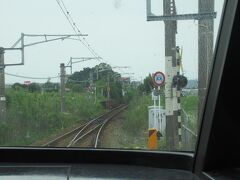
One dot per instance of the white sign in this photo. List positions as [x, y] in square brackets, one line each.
[2, 98]
[157, 118]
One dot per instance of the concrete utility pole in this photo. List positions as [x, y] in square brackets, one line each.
[171, 71]
[205, 51]
[108, 86]
[62, 87]
[91, 78]
[2, 87]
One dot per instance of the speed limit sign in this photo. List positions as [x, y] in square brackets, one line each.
[158, 78]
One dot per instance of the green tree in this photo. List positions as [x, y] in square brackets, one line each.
[147, 85]
[18, 86]
[34, 87]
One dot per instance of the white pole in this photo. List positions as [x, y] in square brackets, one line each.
[95, 95]
[155, 114]
[159, 109]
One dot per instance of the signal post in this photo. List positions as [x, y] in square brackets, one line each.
[2, 87]
[155, 123]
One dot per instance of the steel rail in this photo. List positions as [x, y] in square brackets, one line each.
[80, 129]
[56, 140]
[97, 125]
[84, 135]
[59, 138]
[104, 123]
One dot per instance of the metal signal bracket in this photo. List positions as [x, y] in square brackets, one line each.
[47, 38]
[174, 17]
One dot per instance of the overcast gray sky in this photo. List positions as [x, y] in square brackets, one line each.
[117, 30]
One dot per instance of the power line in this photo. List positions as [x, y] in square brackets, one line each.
[74, 24]
[85, 81]
[68, 13]
[75, 28]
[72, 80]
[26, 77]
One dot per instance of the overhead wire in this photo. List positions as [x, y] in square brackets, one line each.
[27, 77]
[72, 80]
[74, 24]
[69, 18]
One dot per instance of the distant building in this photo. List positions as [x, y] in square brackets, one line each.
[125, 80]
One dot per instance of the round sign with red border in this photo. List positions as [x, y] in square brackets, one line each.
[158, 78]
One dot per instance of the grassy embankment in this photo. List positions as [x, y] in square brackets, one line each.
[35, 116]
[135, 125]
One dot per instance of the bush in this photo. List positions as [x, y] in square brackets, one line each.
[136, 117]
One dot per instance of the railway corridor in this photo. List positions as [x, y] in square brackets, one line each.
[88, 134]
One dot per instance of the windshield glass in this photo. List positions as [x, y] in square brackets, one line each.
[105, 74]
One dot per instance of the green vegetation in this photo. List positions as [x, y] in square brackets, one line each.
[137, 115]
[33, 116]
[147, 85]
[135, 125]
[190, 106]
[33, 110]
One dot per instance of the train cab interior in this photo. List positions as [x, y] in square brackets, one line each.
[217, 154]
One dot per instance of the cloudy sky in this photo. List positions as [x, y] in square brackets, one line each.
[117, 30]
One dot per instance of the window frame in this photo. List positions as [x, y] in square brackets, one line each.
[193, 162]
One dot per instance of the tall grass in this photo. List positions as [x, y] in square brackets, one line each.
[190, 105]
[32, 116]
[135, 124]
[136, 117]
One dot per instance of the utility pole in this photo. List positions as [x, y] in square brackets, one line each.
[97, 72]
[62, 87]
[2, 87]
[171, 71]
[91, 80]
[205, 51]
[108, 87]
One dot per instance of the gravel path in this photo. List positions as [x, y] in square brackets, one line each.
[114, 136]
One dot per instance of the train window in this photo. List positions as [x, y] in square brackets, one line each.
[105, 74]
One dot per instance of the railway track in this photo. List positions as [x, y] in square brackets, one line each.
[88, 134]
